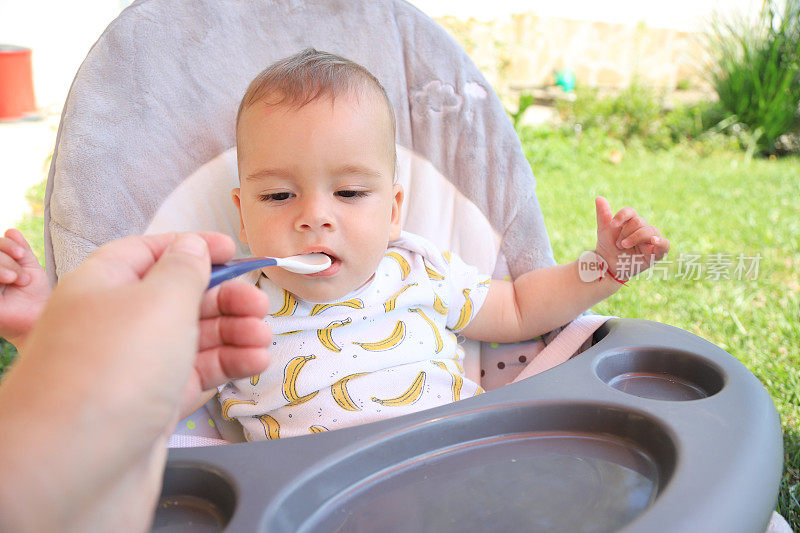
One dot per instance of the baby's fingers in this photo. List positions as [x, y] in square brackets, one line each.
[636, 232]
[11, 271]
[660, 247]
[622, 216]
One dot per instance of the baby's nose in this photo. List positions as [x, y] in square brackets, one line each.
[315, 214]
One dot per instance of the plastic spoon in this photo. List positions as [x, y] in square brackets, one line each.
[300, 264]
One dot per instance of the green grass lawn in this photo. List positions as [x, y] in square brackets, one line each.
[707, 201]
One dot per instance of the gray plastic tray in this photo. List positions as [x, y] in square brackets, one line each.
[651, 429]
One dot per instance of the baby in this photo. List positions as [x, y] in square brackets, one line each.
[374, 335]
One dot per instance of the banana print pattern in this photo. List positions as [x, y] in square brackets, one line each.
[432, 274]
[436, 334]
[290, 374]
[396, 337]
[230, 402]
[340, 394]
[446, 256]
[405, 268]
[310, 388]
[325, 335]
[391, 303]
[458, 381]
[271, 427]
[289, 305]
[438, 305]
[466, 312]
[355, 303]
[410, 396]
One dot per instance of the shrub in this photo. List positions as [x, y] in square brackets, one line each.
[756, 72]
[632, 115]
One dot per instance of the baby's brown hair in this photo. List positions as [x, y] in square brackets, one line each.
[307, 76]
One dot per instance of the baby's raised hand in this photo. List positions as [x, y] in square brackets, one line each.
[24, 288]
[626, 241]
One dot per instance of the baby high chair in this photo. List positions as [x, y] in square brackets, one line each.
[649, 429]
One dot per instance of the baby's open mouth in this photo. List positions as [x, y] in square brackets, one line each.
[335, 263]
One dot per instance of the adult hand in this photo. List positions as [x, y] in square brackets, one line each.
[124, 343]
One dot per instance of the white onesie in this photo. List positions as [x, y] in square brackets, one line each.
[385, 350]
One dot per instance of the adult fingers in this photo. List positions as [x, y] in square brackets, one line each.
[234, 331]
[234, 298]
[221, 364]
[128, 259]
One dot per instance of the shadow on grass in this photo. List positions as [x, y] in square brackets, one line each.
[789, 495]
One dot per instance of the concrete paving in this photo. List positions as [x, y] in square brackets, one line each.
[25, 149]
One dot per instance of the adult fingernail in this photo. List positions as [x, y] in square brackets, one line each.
[189, 243]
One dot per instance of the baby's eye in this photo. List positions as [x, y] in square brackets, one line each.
[351, 193]
[275, 197]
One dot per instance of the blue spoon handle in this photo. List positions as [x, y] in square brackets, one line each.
[237, 267]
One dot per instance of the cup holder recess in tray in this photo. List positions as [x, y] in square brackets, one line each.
[660, 374]
[194, 498]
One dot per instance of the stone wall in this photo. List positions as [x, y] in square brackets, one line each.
[522, 51]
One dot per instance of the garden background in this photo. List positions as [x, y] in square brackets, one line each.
[691, 119]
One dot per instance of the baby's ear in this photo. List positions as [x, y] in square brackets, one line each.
[395, 225]
[237, 201]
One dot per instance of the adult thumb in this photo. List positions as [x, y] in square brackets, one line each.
[183, 269]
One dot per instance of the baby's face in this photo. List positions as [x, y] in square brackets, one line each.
[319, 179]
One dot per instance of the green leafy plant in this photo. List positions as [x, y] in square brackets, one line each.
[756, 72]
[525, 101]
[633, 114]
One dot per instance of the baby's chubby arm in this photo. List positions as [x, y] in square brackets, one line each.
[544, 299]
[24, 288]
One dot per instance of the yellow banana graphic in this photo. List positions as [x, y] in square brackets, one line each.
[458, 381]
[446, 256]
[317, 429]
[290, 332]
[355, 303]
[340, 394]
[289, 305]
[271, 427]
[254, 379]
[230, 402]
[466, 312]
[405, 268]
[439, 343]
[479, 390]
[325, 337]
[409, 396]
[390, 304]
[432, 274]
[290, 374]
[438, 305]
[459, 366]
[486, 282]
[389, 342]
